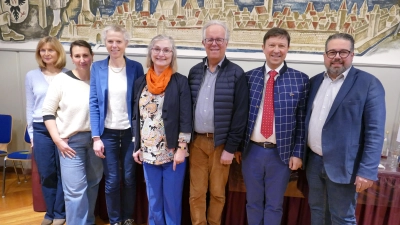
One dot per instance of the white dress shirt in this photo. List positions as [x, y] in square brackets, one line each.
[320, 109]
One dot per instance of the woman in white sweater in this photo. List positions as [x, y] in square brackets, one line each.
[66, 115]
[50, 56]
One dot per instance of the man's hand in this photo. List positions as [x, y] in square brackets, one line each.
[295, 163]
[226, 158]
[98, 147]
[238, 156]
[362, 183]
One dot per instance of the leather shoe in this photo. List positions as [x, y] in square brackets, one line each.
[58, 221]
[12, 35]
[46, 222]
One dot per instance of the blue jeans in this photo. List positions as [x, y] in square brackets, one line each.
[330, 203]
[81, 176]
[48, 164]
[118, 161]
[164, 191]
[266, 178]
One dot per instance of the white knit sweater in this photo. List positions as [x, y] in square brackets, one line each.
[67, 101]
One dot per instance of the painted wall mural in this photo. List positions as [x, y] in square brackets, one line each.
[309, 22]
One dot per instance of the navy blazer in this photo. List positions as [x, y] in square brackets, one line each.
[352, 136]
[290, 94]
[99, 92]
[176, 111]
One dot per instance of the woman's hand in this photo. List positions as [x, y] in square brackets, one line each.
[98, 147]
[136, 157]
[65, 150]
[180, 154]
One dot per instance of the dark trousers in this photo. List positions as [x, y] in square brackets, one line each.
[48, 164]
[119, 166]
[266, 178]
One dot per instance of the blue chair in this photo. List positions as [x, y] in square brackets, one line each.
[5, 133]
[17, 158]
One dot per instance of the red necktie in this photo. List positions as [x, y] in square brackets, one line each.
[268, 110]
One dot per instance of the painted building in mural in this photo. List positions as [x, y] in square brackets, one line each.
[309, 28]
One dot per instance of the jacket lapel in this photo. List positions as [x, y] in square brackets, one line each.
[130, 75]
[104, 77]
[346, 86]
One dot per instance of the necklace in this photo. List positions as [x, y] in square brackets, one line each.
[117, 71]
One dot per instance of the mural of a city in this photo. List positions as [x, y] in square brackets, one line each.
[309, 22]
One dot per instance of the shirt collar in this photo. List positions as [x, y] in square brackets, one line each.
[219, 64]
[267, 69]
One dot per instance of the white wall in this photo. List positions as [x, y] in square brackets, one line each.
[17, 59]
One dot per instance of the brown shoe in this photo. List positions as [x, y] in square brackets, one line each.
[12, 35]
[46, 222]
[55, 29]
[58, 221]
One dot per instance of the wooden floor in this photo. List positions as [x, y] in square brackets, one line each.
[16, 208]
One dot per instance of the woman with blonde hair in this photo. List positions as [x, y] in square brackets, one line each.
[50, 56]
[111, 85]
[163, 115]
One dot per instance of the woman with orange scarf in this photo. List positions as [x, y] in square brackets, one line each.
[163, 117]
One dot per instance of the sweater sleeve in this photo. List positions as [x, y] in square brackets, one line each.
[29, 103]
[52, 100]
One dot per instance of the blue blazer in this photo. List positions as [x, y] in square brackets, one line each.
[290, 94]
[99, 92]
[352, 136]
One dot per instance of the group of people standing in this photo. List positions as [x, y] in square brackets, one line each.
[272, 119]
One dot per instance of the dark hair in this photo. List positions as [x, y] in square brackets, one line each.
[81, 43]
[343, 36]
[277, 32]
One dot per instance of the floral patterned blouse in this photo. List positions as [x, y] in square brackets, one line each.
[154, 148]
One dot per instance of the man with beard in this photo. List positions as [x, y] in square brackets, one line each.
[345, 121]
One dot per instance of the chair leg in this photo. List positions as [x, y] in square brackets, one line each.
[16, 172]
[23, 171]
[4, 178]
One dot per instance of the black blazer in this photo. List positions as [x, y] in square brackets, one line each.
[176, 112]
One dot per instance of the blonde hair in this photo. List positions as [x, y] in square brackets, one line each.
[56, 46]
[161, 37]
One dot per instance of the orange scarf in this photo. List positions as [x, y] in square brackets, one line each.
[158, 83]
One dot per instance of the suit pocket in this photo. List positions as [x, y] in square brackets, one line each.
[351, 110]
[288, 101]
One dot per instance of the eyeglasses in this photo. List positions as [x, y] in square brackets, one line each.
[165, 51]
[342, 53]
[210, 41]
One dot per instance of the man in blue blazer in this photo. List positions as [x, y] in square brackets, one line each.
[274, 141]
[345, 123]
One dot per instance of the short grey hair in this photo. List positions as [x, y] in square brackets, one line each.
[216, 22]
[161, 37]
[115, 28]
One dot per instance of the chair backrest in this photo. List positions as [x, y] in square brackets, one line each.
[5, 128]
[27, 138]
